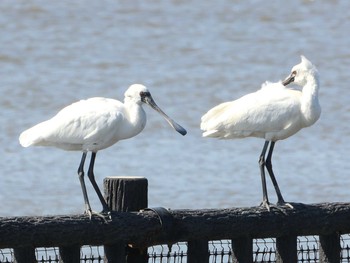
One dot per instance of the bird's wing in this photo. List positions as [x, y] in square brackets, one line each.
[255, 114]
[75, 124]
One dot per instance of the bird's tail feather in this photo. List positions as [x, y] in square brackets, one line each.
[31, 136]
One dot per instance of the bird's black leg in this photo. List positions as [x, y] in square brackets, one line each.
[82, 183]
[280, 200]
[94, 184]
[265, 201]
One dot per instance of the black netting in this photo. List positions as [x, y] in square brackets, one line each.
[6, 255]
[345, 251]
[220, 251]
[264, 250]
[168, 254]
[47, 255]
[308, 249]
[91, 254]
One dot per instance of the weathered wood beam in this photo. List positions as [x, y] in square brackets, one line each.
[242, 249]
[124, 194]
[144, 228]
[329, 251]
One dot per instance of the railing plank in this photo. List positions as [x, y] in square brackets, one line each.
[286, 249]
[143, 228]
[150, 227]
[242, 250]
[115, 253]
[24, 255]
[329, 249]
[137, 255]
[69, 254]
[197, 251]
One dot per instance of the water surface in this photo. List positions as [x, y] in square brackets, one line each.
[192, 55]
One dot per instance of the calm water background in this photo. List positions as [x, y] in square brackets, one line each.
[192, 55]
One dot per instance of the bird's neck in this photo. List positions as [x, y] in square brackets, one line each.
[310, 105]
[136, 116]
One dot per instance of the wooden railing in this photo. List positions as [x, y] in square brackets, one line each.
[138, 229]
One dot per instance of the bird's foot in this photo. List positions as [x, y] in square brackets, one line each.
[88, 212]
[283, 203]
[266, 204]
[105, 215]
[279, 206]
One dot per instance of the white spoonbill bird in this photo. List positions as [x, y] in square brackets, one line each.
[273, 113]
[92, 125]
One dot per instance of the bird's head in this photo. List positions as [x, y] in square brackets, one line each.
[140, 94]
[301, 72]
[136, 93]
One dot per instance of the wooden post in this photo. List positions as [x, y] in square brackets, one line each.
[125, 194]
[286, 249]
[329, 251]
[24, 255]
[69, 254]
[197, 251]
[242, 250]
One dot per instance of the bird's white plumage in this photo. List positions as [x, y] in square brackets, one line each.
[92, 124]
[274, 112]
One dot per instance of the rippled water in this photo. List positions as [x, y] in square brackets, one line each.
[192, 55]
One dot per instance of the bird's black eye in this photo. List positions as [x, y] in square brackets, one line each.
[144, 94]
[294, 72]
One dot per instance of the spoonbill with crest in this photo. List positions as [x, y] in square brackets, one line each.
[273, 113]
[92, 125]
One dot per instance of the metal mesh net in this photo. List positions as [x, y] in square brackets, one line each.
[166, 254]
[264, 250]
